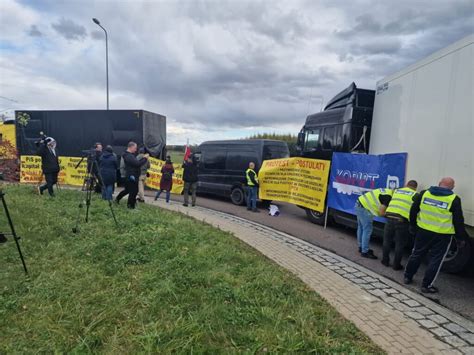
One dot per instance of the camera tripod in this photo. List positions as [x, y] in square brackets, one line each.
[90, 181]
[12, 229]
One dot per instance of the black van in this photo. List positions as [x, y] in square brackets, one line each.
[222, 164]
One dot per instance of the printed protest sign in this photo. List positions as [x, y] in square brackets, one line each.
[300, 181]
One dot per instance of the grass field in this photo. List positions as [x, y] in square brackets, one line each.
[160, 283]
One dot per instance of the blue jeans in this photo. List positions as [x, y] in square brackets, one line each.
[168, 194]
[107, 192]
[252, 197]
[364, 227]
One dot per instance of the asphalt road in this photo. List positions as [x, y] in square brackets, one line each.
[456, 291]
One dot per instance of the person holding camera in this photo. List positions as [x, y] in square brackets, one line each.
[93, 161]
[46, 149]
[132, 174]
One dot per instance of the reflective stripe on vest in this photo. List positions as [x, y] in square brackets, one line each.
[401, 202]
[370, 200]
[249, 180]
[434, 213]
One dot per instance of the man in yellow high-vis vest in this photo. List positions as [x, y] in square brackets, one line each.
[369, 205]
[252, 187]
[436, 214]
[396, 227]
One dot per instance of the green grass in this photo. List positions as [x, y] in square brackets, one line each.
[161, 283]
[176, 156]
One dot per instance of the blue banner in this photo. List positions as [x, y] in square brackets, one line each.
[354, 174]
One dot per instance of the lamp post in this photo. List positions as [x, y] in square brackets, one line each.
[106, 58]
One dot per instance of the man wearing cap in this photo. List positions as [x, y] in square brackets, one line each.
[369, 205]
[436, 215]
[396, 228]
[46, 149]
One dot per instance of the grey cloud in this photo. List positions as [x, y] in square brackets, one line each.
[98, 35]
[69, 29]
[33, 31]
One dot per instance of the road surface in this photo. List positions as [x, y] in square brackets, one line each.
[456, 291]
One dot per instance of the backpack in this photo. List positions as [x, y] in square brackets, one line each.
[123, 173]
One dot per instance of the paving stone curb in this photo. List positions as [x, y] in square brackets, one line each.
[456, 332]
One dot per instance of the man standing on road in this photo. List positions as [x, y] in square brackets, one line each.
[396, 228]
[190, 178]
[132, 174]
[368, 205]
[46, 149]
[252, 188]
[436, 215]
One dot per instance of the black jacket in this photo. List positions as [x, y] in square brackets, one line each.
[49, 161]
[108, 168]
[190, 172]
[132, 164]
[456, 210]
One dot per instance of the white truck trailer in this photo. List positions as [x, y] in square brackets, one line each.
[427, 110]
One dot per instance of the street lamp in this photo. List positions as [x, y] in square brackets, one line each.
[106, 58]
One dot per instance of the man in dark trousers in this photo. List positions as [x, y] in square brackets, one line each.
[46, 149]
[436, 215]
[396, 228]
[252, 187]
[132, 174]
[190, 178]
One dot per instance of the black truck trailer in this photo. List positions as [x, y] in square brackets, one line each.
[78, 130]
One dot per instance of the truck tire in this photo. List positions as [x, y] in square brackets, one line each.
[315, 217]
[237, 196]
[457, 259]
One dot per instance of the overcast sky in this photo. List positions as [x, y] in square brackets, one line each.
[216, 69]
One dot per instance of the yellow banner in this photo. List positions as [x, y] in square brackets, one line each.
[30, 170]
[7, 141]
[300, 181]
[153, 181]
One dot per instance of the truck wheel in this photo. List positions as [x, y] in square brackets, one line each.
[315, 216]
[237, 196]
[457, 259]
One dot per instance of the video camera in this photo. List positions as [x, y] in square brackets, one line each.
[42, 139]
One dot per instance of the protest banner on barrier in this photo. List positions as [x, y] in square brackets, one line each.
[30, 172]
[153, 180]
[300, 181]
[354, 174]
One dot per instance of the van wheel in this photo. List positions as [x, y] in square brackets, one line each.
[237, 196]
[315, 216]
[457, 258]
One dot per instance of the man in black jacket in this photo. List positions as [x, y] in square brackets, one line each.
[132, 174]
[46, 149]
[190, 178]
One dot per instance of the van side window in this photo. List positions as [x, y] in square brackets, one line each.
[214, 159]
[312, 140]
[274, 151]
[239, 160]
[328, 138]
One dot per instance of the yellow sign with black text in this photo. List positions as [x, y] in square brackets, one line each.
[300, 181]
[30, 170]
[153, 180]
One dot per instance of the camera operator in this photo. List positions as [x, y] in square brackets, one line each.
[94, 156]
[46, 149]
[132, 174]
